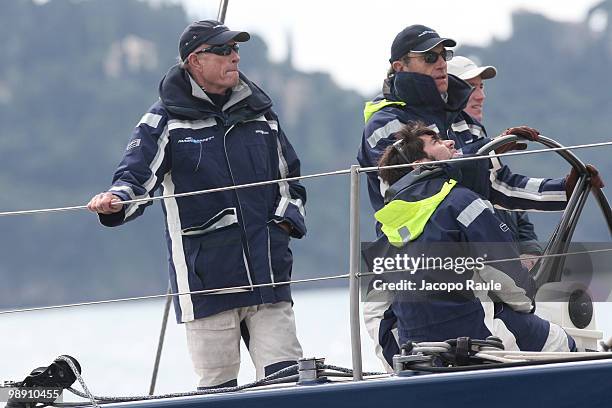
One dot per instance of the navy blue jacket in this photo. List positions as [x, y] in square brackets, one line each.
[462, 217]
[410, 96]
[522, 231]
[185, 143]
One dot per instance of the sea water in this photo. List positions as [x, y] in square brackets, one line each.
[116, 343]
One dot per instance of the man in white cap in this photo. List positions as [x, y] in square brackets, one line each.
[518, 221]
[474, 75]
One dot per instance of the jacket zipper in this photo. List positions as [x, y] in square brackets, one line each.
[270, 258]
[229, 167]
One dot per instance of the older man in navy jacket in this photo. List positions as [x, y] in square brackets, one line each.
[212, 128]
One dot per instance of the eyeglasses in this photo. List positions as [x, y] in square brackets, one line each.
[224, 50]
[431, 57]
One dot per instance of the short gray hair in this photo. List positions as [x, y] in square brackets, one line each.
[391, 72]
[182, 64]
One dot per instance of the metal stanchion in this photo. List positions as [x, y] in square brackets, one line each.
[354, 253]
[160, 342]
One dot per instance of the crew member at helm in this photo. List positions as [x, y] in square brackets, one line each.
[428, 214]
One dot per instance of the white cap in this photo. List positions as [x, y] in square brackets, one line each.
[465, 69]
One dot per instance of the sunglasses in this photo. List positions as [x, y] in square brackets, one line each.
[223, 50]
[431, 57]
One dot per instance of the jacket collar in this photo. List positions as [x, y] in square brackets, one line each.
[239, 92]
[407, 184]
[420, 90]
[182, 96]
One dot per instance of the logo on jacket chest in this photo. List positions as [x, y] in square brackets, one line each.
[190, 139]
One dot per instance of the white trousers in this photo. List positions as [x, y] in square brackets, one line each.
[214, 341]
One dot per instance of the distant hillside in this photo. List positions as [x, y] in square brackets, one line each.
[556, 77]
[75, 77]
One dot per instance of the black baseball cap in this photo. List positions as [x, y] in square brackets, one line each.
[210, 32]
[417, 38]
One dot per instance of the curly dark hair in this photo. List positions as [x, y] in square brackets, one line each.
[407, 149]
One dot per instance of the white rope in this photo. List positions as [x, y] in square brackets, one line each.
[487, 356]
[331, 173]
[505, 356]
[516, 355]
[431, 349]
[443, 344]
[81, 381]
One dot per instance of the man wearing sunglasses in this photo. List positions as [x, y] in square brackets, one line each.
[213, 128]
[418, 88]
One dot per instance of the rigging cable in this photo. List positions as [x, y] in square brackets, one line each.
[291, 282]
[330, 173]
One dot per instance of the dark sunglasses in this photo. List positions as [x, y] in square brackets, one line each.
[224, 50]
[431, 57]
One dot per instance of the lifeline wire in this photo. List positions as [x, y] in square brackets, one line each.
[470, 158]
[198, 292]
[284, 180]
[323, 278]
[178, 195]
[212, 291]
[536, 257]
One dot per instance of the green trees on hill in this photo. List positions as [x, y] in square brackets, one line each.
[75, 77]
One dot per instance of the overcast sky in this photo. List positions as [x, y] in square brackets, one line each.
[351, 39]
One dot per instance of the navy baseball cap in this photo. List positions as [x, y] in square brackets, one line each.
[417, 38]
[210, 32]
